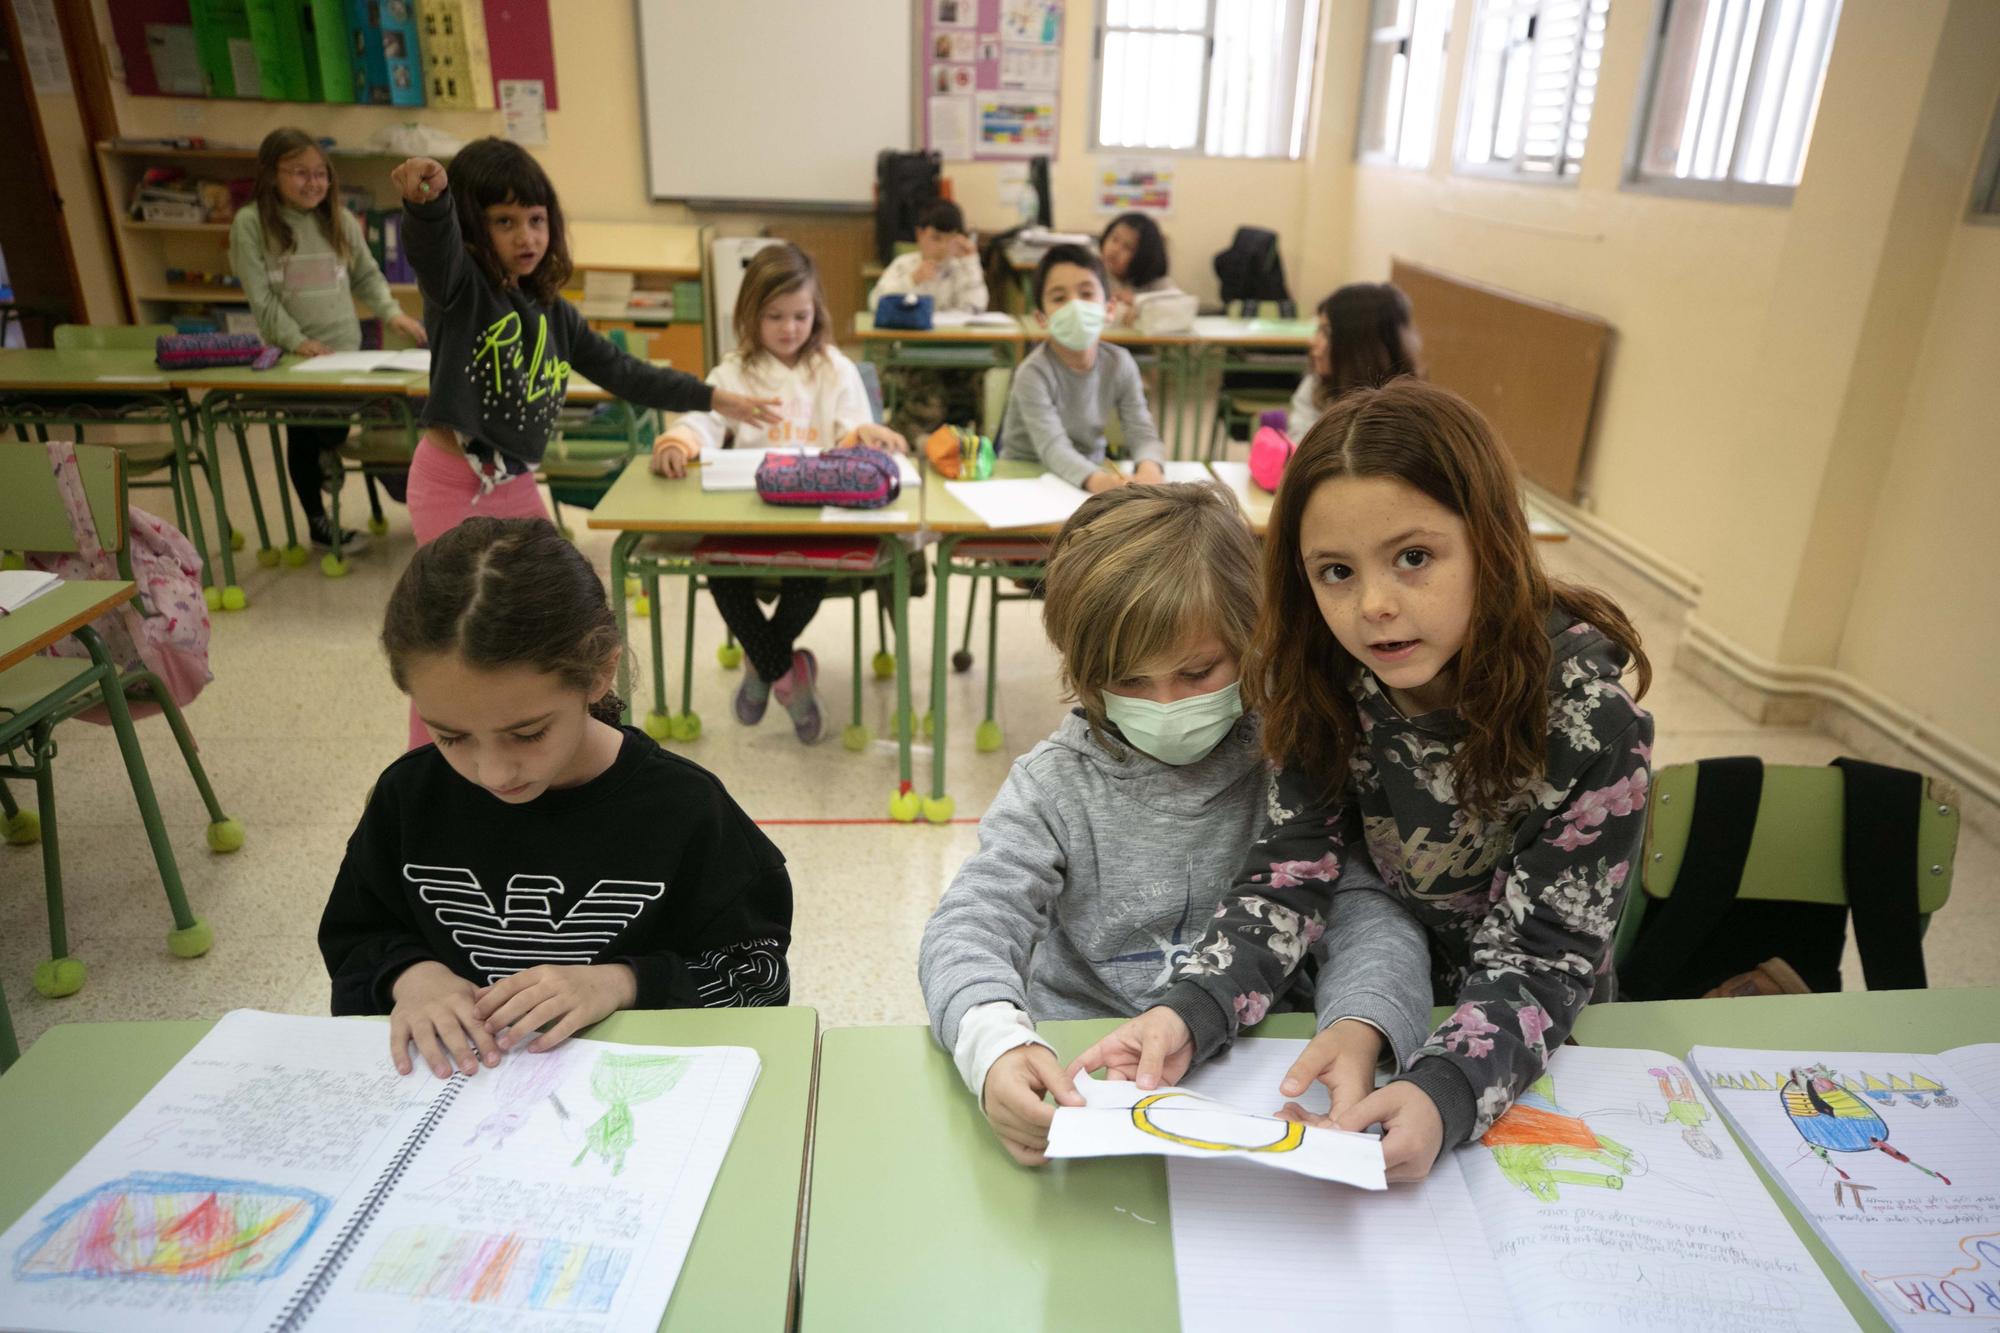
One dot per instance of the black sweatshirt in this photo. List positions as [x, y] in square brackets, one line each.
[650, 864]
[500, 361]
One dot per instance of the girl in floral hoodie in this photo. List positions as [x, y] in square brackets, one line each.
[1434, 703]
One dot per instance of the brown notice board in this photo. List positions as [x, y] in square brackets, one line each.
[1530, 366]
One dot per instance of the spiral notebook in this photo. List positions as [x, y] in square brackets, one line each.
[284, 1177]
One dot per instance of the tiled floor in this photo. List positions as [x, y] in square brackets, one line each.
[302, 716]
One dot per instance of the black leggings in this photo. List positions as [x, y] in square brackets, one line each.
[768, 643]
[303, 447]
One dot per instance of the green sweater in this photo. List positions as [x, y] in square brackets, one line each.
[307, 292]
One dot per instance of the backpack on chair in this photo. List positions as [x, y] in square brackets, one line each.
[1750, 873]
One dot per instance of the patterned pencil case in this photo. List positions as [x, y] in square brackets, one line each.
[194, 351]
[851, 478]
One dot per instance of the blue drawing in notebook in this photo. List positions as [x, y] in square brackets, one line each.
[172, 1227]
[1831, 1119]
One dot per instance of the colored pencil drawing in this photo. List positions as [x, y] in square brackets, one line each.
[1832, 1119]
[528, 1274]
[622, 1082]
[1154, 1115]
[1686, 1110]
[525, 1081]
[173, 1227]
[1536, 1133]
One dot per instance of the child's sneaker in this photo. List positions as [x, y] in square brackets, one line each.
[753, 696]
[795, 691]
[321, 531]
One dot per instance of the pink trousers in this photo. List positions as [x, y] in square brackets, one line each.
[443, 493]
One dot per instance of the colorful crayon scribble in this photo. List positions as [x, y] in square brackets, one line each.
[1536, 1133]
[501, 1272]
[622, 1082]
[172, 1227]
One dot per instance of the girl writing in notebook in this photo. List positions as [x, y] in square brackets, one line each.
[303, 263]
[1439, 706]
[539, 866]
[784, 358]
[1363, 338]
[491, 257]
[1111, 844]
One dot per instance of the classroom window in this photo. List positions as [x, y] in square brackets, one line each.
[1403, 80]
[1530, 87]
[1224, 78]
[1734, 88]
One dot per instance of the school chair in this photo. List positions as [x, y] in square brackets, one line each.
[1745, 861]
[150, 457]
[41, 693]
[591, 448]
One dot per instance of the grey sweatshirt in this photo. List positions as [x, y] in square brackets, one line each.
[1056, 417]
[307, 292]
[1098, 873]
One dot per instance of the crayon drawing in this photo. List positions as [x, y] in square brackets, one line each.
[525, 1081]
[1536, 1133]
[622, 1082]
[1831, 1119]
[529, 1274]
[1686, 1110]
[1154, 1115]
[171, 1227]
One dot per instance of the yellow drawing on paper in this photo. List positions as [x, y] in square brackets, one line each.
[1142, 1119]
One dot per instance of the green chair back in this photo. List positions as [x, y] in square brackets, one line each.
[109, 337]
[31, 508]
[1795, 847]
[993, 400]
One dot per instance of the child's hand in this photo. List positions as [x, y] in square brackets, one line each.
[560, 999]
[312, 347]
[964, 247]
[411, 329]
[1013, 1100]
[434, 1009]
[1149, 473]
[924, 271]
[1152, 1049]
[750, 411]
[419, 178]
[1343, 1057]
[873, 436]
[1101, 480]
[1412, 1129]
[670, 457]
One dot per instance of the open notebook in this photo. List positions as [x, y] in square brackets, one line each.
[1609, 1197]
[1893, 1159]
[284, 1177]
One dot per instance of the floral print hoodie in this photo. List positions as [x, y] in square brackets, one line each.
[1520, 908]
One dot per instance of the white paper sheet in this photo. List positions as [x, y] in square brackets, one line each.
[18, 587]
[836, 514]
[1178, 469]
[1893, 1158]
[1034, 502]
[1617, 1205]
[1233, 473]
[1119, 1120]
[412, 360]
[558, 1191]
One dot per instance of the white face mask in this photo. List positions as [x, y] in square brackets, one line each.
[1180, 732]
[1077, 324]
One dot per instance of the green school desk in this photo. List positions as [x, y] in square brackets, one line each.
[237, 398]
[42, 388]
[640, 505]
[918, 1220]
[76, 1082]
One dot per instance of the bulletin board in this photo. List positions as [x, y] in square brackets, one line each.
[1530, 366]
[989, 77]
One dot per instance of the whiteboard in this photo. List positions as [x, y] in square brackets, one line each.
[774, 101]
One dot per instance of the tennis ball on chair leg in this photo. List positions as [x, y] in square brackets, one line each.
[687, 727]
[904, 806]
[24, 828]
[212, 598]
[939, 809]
[295, 555]
[225, 835]
[234, 598]
[730, 655]
[193, 942]
[855, 737]
[884, 665]
[332, 566]
[236, 539]
[57, 977]
[378, 526]
[658, 725]
[988, 738]
[642, 606]
[267, 556]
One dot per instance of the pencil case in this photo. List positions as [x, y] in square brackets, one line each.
[959, 453]
[850, 478]
[194, 351]
[905, 312]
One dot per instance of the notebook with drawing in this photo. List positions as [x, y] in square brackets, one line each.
[1893, 1159]
[1608, 1197]
[284, 1177]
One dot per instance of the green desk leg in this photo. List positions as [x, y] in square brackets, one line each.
[228, 595]
[10, 1050]
[191, 937]
[620, 550]
[906, 777]
[938, 808]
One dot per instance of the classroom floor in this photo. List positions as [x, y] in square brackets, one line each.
[302, 716]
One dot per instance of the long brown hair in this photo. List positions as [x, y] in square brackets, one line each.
[270, 204]
[1430, 439]
[1370, 339]
[498, 592]
[1136, 573]
[493, 171]
[775, 271]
